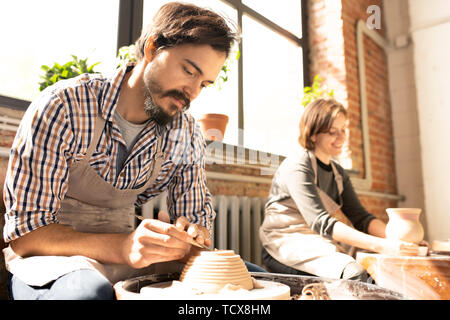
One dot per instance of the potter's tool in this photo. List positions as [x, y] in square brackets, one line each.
[193, 242]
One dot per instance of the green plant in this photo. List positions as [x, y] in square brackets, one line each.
[316, 91]
[125, 55]
[223, 74]
[66, 71]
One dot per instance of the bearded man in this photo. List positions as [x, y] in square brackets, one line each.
[92, 148]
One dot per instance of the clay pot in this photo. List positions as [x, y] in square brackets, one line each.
[211, 271]
[404, 224]
[213, 126]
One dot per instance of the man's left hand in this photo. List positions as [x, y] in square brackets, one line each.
[196, 231]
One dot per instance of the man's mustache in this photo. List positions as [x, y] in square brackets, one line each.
[179, 96]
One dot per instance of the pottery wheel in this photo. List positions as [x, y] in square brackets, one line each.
[219, 274]
[171, 291]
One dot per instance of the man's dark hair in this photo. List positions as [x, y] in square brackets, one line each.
[177, 23]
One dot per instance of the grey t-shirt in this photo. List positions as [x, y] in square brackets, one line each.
[130, 133]
[295, 179]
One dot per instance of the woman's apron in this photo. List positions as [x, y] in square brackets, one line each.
[95, 206]
[287, 237]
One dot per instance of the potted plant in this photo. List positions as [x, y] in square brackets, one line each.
[78, 66]
[316, 91]
[66, 71]
[125, 55]
[213, 125]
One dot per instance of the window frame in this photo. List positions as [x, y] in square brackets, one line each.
[302, 42]
[128, 31]
[130, 25]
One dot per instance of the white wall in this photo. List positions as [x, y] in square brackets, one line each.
[406, 133]
[430, 32]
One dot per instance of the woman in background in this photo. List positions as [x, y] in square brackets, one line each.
[313, 218]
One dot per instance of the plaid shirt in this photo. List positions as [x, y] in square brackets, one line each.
[55, 132]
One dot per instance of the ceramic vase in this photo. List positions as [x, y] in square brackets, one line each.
[404, 224]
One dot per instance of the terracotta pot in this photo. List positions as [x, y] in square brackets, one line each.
[213, 126]
[404, 224]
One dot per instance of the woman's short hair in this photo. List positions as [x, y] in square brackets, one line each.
[318, 117]
[178, 23]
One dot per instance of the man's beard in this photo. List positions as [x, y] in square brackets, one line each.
[155, 111]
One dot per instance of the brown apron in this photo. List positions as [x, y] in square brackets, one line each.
[287, 237]
[91, 205]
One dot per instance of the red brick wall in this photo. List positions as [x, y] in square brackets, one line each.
[342, 76]
[6, 138]
[239, 188]
[378, 206]
[3, 166]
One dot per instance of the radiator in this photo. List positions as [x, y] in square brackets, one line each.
[236, 226]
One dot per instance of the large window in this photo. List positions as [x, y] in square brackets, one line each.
[286, 14]
[273, 85]
[262, 96]
[263, 104]
[212, 99]
[43, 32]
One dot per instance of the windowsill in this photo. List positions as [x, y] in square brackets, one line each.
[236, 164]
[220, 157]
[220, 154]
[14, 103]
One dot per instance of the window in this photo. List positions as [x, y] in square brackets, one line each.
[262, 96]
[48, 31]
[287, 15]
[265, 108]
[273, 86]
[212, 99]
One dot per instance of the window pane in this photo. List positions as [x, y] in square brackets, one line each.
[48, 31]
[287, 15]
[273, 87]
[212, 99]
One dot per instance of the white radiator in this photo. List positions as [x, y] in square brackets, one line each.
[236, 226]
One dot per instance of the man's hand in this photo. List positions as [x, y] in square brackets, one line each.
[155, 241]
[199, 233]
[160, 241]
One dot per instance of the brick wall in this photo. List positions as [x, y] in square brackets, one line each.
[6, 139]
[3, 290]
[244, 188]
[333, 55]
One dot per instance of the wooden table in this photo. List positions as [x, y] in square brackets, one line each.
[423, 278]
